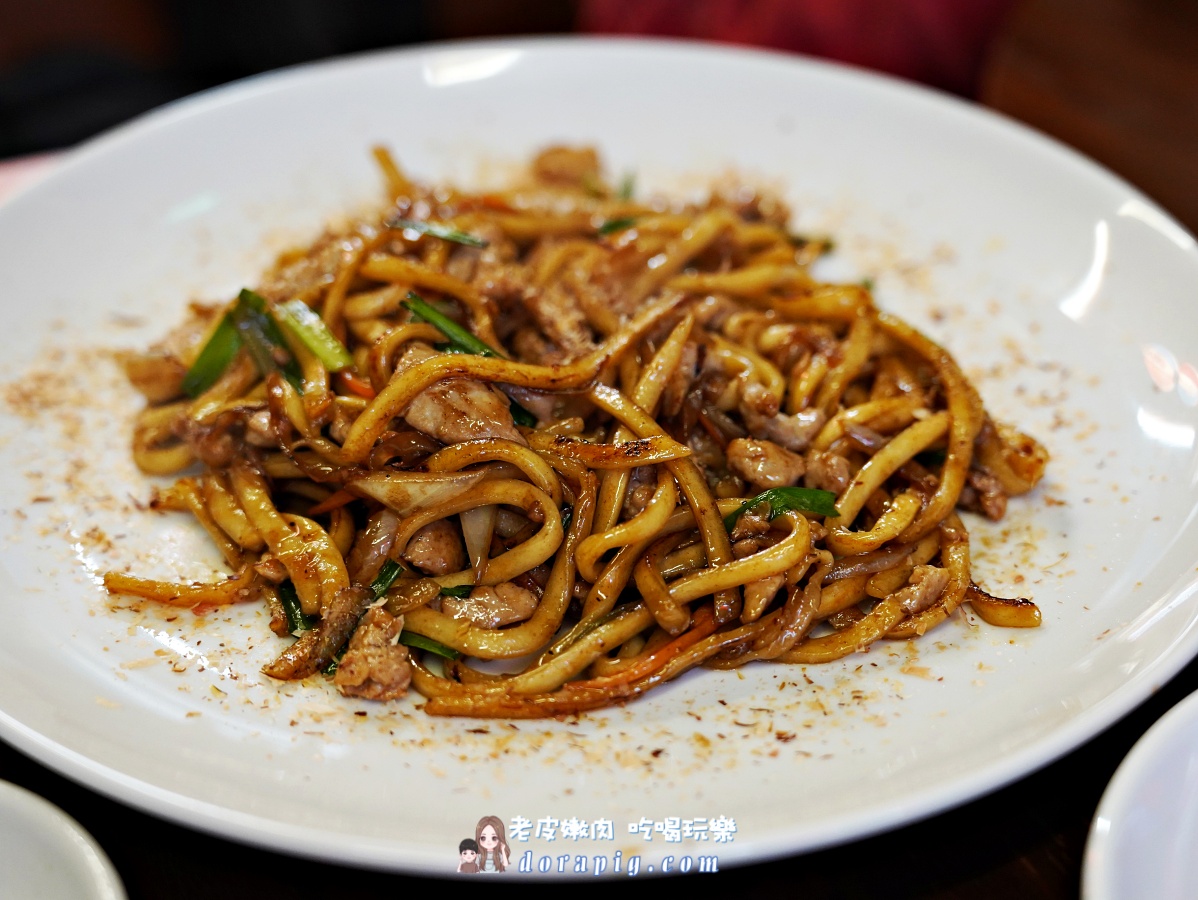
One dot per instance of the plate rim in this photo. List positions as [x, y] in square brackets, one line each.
[1098, 870]
[265, 832]
[59, 827]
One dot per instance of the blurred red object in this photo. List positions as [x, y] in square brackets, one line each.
[938, 42]
[24, 170]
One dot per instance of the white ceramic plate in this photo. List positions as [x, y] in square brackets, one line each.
[1063, 290]
[1143, 836]
[44, 853]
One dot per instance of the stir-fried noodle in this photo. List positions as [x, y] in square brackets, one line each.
[612, 439]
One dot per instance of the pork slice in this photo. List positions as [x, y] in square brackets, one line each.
[375, 666]
[492, 607]
[924, 588]
[794, 432]
[316, 648]
[642, 482]
[158, 372]
[308, 275]
[764, 464]
[566, 165]
[436, 549]
[827, 471]
[681, 380]
[760, 593]
[984, 493]
[560, 316]
[458, 409]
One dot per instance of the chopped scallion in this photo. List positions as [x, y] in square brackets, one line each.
[611, 226]
[826, 244]
[388, 572]
[261, 336]
[461, 590]
[297, 620]
[444, 232]
[522, 416]
[420, 642]
[461, 339]
[214, 358]
[314, 334]
[781, 500]
[932, 458]
[591, 183]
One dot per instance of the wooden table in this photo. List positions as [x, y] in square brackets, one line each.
[1117, 79]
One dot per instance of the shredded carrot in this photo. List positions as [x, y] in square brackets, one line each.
[331, 502]
[702, 624]
[496, 202]
[578, 696]
[356, 385]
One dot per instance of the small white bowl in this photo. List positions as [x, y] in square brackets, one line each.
[1143, 838]
[44, 853]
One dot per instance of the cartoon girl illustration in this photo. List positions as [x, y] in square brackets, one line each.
[492, 844]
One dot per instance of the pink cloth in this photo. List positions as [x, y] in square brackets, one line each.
[939, 42]
[23, 170]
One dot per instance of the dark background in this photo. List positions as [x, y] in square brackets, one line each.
[70, 68]
[1118, 79]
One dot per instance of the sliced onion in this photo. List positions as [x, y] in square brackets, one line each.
[372, 547]
[408, 491]
[408, 447]
[869, 563]
[478, 526]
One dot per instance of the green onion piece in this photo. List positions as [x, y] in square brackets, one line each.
[446, 347]
[827, 244]
[627, 187]
[214, 358]
[613, 225]
[867, 283]
[459, 337]
[388, 572]
[521, 416]
[314, 334]
[590, 183]
[444, 232]
[461, 590]
[785, 499]
[932, 458]
[420, 642]
[462, 341]
[297, 620]
[576, 634]
[262, 338]
[567, 516]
